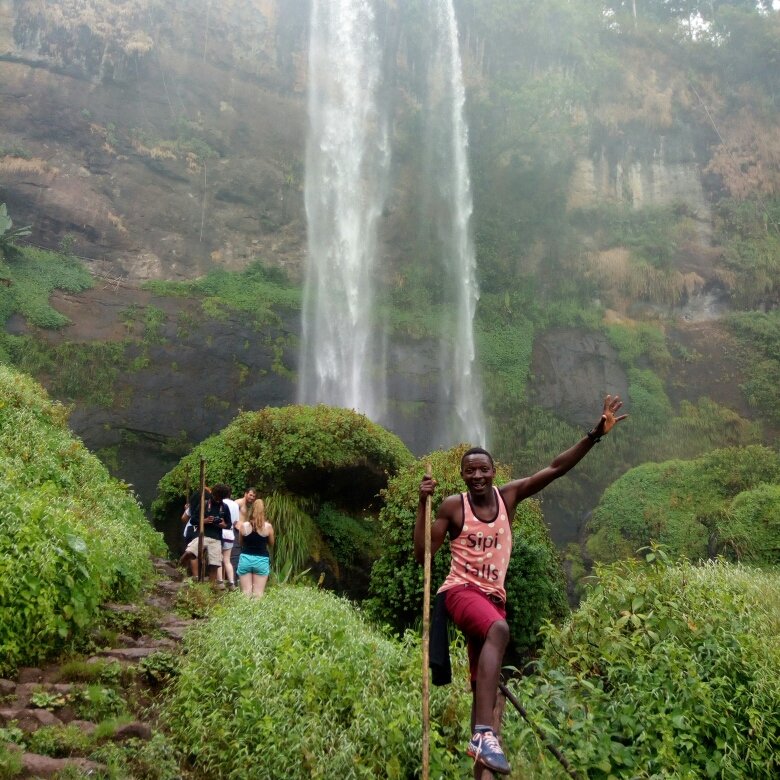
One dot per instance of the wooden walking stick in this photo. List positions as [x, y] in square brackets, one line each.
[202, 518]
[426, 639]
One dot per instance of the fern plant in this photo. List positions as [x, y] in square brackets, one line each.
[8, 234]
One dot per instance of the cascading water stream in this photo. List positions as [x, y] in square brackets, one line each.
[453, 177]
[347, 159]
[347, 163]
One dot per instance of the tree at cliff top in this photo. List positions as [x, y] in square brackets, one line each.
[666, 671]
[71, 537]
[534, 582]
[725, 502]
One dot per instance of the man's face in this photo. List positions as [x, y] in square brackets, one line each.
[478, 472]
[250, 497]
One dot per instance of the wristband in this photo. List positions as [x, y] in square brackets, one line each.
[593, 436]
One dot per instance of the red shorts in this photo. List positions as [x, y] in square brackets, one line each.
[473, 613]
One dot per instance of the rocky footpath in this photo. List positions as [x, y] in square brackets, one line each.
[79, 704]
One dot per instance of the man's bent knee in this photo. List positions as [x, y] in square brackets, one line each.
[498, 633]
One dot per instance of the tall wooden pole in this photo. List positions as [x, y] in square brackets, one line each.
[426, 640]
[201, 519]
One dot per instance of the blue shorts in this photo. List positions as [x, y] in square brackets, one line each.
[253, 564]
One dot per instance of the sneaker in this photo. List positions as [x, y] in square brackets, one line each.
[484, 748]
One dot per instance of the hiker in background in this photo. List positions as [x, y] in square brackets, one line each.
[244, 505]
[228, 541]
[216, 517]
[254, 564]
[479, 524]
[190, 532]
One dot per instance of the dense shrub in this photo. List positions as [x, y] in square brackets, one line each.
[534, 582]
[758, 334]
[666, 671]
[70, 535]
[300, 686]
[687, 506]
[306, 450]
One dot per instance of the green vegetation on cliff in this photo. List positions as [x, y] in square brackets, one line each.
[72, 537]
[254, 292]
[724, 502]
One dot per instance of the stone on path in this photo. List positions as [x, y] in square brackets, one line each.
[34, 765]
[134, 730]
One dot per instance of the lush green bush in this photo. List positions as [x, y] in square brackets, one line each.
[666, 671]
[305, 450]
[698, 508]
[534, 582]
[70, 535]
[300, 686]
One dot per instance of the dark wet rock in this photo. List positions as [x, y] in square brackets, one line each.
[161, 643]
[66, 714]
[29, 720]
[122, 608]
[34, 765]
[128, 653]
[7, 687]
[176, 631]
[168, 570]
[29, 674]
[134, 730]
[572, 371]
[24, 693]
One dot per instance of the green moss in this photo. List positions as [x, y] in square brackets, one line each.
[256, 291]
[87, 372]
[32, 275]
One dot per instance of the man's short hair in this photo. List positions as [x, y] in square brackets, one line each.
[477, 451]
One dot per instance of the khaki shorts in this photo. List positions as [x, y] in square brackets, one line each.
[212, 549]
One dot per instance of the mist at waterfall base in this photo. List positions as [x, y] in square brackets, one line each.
[349, 357]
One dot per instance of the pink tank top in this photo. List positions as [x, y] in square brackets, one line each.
[480, 554]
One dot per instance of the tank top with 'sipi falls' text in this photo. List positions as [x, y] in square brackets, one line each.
[480, 553]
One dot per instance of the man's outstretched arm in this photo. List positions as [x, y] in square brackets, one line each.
[514, 492]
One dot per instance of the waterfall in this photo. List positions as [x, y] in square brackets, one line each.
[347, 160]
[344, 348]
[451, 174]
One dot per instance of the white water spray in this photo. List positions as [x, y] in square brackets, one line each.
[454, 181]
[347, 159]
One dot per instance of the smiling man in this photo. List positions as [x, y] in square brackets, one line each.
[479, 524]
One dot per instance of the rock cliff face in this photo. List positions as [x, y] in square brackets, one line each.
[164, 138]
